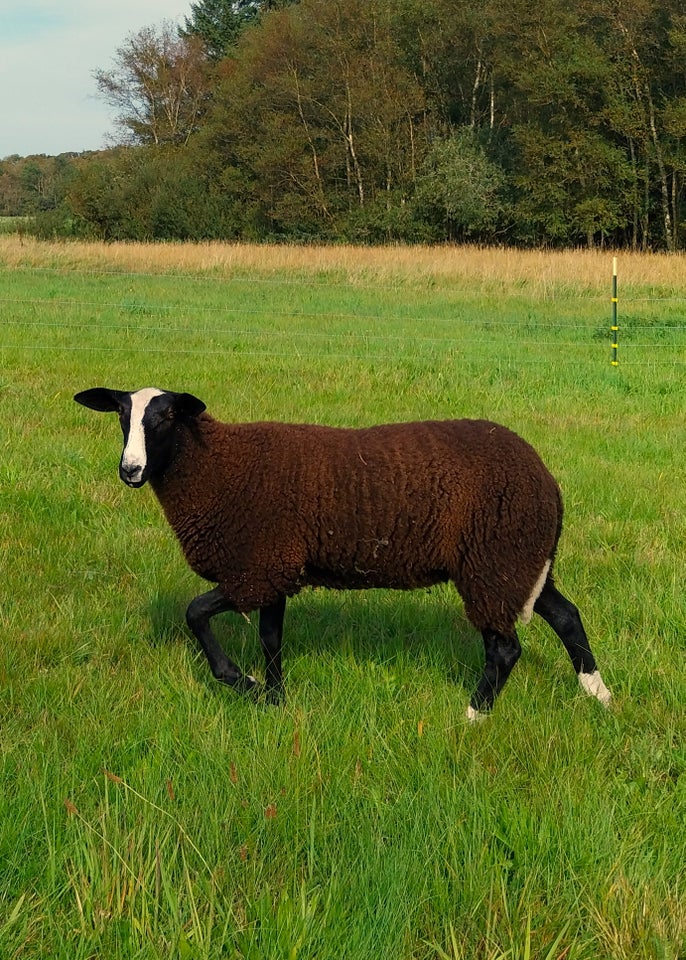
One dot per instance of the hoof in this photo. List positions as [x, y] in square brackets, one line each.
[474, 716]
[274, 696]
[592, 684]
[241, 682]
[247, 684]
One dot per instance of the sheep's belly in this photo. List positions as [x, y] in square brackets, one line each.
[361, 579]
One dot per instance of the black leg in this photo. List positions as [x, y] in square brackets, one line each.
[561, 614]
[200, 611]
[271, 632]
[502, 652]
[564, 618]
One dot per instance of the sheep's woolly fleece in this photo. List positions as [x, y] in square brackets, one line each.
[264, 509]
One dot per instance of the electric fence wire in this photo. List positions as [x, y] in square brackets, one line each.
[136, 309]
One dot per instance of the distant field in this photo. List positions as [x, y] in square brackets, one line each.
[147, 812]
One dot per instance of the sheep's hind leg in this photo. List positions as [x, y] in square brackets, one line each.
[198, 616]
[565, 620]
[502, 652]
[271, 632]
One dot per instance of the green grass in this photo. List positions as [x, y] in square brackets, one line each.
[147, 812]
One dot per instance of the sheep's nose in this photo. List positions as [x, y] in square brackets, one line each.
[131, 474]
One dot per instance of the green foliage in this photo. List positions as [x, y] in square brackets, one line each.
[36, 184]
[57, 223]
[219, 23]
[461, 187]
[557, 200]
[149, 194]
[388, 219]
[317, 113]
[159, 84]
[9, 225]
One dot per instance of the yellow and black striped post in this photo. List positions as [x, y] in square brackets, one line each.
[615, 327]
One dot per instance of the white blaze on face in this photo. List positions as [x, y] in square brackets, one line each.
[134, 457]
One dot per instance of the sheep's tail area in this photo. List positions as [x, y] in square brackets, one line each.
[546, 577]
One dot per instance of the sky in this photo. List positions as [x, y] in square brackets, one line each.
[49, 50]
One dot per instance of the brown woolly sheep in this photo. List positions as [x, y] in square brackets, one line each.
[264, 509]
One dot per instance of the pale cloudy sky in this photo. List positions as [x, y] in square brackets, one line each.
[49, 50]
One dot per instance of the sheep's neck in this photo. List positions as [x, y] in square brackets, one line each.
[186, 487]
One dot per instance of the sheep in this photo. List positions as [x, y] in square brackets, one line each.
[265, 509]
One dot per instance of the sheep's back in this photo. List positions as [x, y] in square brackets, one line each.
[412, 504]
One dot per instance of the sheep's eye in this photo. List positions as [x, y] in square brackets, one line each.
[161, 418]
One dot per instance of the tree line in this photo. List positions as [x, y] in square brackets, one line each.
[496, 121]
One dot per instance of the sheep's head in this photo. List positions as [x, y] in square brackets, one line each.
[149, 420]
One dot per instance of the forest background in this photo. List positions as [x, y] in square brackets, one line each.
[560, 123]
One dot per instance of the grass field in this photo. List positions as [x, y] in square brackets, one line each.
[147, 812]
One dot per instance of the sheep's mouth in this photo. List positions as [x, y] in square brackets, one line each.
[134, 483]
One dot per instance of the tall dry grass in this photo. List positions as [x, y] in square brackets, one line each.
[543, 269]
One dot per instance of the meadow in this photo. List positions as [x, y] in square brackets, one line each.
[148, 812]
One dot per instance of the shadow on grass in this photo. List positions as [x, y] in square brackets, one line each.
[424, 630]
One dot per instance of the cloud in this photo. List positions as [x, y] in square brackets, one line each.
[49, 51]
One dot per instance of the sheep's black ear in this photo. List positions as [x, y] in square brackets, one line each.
[186, 405]
[102, 399]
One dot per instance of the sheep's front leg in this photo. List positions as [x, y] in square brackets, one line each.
[271, 632]
[200, 611]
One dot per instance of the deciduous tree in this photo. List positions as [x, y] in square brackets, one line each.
[318, 107]
[461, 186]
[159, 84]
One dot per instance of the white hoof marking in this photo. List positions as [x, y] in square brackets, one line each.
[474, 716]
[592, 684]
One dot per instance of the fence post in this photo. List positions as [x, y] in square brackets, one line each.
[615, 327]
